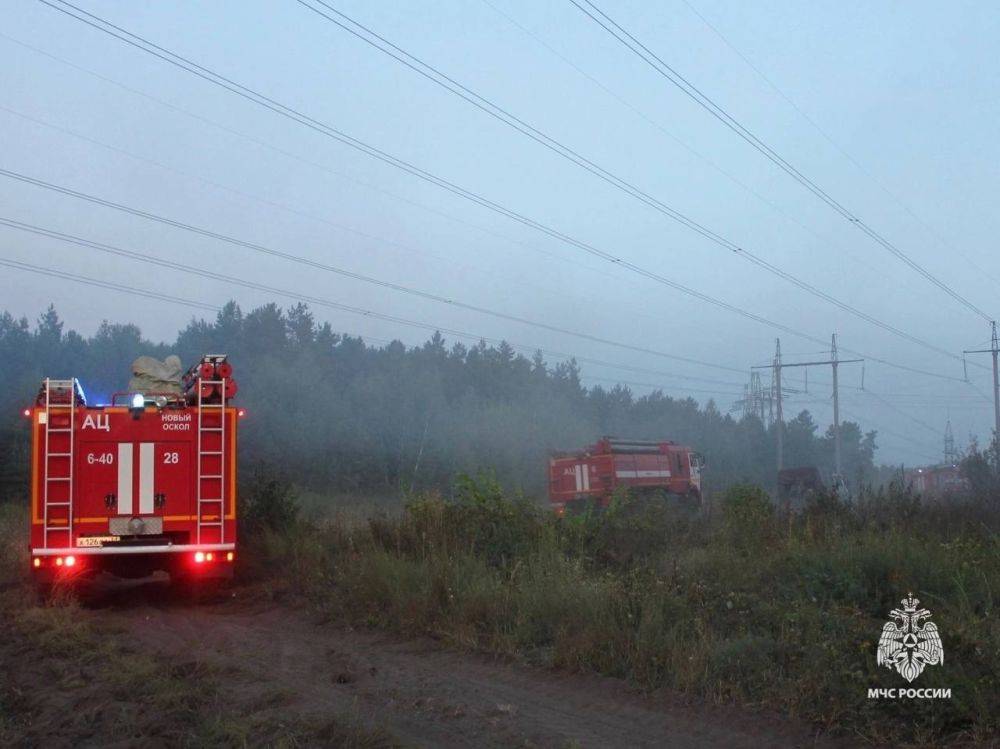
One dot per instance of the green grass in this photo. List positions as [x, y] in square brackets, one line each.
[746, 607]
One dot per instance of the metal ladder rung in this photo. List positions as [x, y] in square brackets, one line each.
[58, 455]
[211, 452]
[211, 523]
[58, 504]
[213, 476]
[211, 429]
[211, 499]
[60, 430]
[57, 478]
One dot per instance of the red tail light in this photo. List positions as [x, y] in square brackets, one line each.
[37, 562]
[230, 556]
[199, 557]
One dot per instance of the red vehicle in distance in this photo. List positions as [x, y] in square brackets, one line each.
[645, 468]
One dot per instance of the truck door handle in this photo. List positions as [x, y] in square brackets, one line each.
[159, 500]
[109, 500]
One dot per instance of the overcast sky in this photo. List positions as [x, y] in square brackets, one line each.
[891, 108]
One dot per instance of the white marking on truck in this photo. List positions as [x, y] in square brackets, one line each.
[642, 474]
[147, 469]
[101, 422]
[124, 478]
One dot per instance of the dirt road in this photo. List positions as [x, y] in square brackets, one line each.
[420, 693]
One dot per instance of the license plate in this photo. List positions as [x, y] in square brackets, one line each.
[96, 540]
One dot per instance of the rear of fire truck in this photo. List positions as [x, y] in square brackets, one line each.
[144, 483]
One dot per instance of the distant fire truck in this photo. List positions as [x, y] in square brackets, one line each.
[937, 481]
[593, 474]
[144, 483]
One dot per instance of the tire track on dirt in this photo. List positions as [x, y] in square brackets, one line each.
[425, 695]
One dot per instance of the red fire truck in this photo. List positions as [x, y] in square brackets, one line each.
[643, 467]
[144, 483]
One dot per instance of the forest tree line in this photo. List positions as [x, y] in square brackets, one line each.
[337, 414]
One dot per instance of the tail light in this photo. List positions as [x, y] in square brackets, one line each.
[37, 562]
[70, 561]
[209, 557]
[199, 557]
[230, 556]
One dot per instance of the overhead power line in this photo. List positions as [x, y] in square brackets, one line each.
[491, 108]
[290, 155]
[643, 52]
[320, 127]
[840, 149]
[672, 135]
[184, 268]
[262, 249]
[127, 289]
[548, 290]
[102, 284]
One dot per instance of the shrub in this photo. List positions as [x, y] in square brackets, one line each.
[736, 607]
[268, 502]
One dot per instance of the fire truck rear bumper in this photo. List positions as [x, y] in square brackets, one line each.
[180, 561]
[151, 549]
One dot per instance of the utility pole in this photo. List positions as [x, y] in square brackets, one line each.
[950, 456]
[994, 349]
[834, 361]
[836, 405]
[780, 422]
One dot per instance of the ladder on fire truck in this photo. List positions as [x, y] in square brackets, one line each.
[212, 503]
[48, 479]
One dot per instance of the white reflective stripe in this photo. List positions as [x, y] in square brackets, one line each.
[147, 470]
[642, 474]
[586, 478]
[579, 477]
[124, 478]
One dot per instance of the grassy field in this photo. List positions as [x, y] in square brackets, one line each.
[746, 606]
